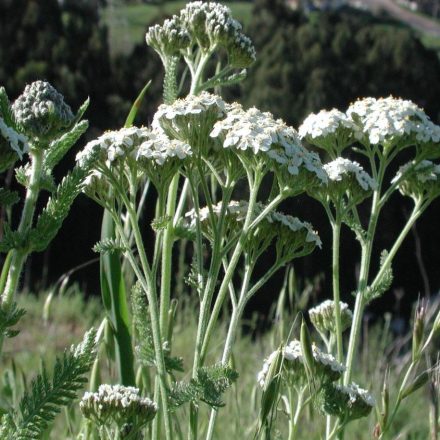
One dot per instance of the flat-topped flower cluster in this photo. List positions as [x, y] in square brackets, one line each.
[328, 369]
[117, 403]
[374, 121]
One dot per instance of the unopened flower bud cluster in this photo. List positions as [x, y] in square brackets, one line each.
[208, 25]
[41, 111]
[323, 316]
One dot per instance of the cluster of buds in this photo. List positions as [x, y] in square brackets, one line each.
[206, 25]
[326, 368]
[41, 112]
[323, 316]
[120, 406]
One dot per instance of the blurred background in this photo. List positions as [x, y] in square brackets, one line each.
[310, 55]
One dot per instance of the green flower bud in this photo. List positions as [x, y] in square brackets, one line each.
[168, 39]
[418, 331]
[417, 383]
[41, 112]
[323, 316]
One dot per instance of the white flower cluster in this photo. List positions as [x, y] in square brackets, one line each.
[426, 171]
[133, 142]
[188, 106]
[239, 209]
[323, 316]
[355, 393]
[293, 353]
[116, 402]
[17, 141]
[384, 119]
[159, 148]
[236, 209]
[325, 123]
[341, 167]
[259, 132]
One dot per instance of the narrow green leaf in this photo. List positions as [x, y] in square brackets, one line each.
[136, 105]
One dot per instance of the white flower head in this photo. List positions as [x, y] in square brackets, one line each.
[258, 133]
[327, 368]
[190, 119]
[113, 145]
[298, 236]
[347, 402]
[328, 129]
[118, 404]
[342, 168]
[420, 180]
[323, 316]
[390, 120]
[160, 148]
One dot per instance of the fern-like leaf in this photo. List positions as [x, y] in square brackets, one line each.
[62, 145]
[8, 197]
[9, 319]
[384, 283]
[5, 109]
[109, 245]
[40, 405]
[12, 239]
[56, 210]
[208, 387]
[145, 349]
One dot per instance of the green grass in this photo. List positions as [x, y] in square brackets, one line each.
[128, 23]
[71, 315]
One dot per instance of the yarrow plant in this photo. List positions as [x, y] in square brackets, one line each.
[209, 162]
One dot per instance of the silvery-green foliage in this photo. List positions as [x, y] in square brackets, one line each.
[385, 282]
[145, 347]
[8, 197]
[9, 319]
[13, 143]
[46, 396]
[208, 386]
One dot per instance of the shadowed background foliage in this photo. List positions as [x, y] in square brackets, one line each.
[305, 62]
